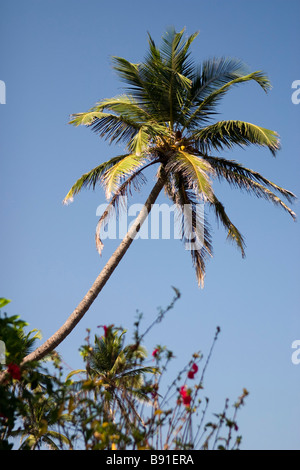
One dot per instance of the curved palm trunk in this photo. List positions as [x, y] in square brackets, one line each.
[100, 282]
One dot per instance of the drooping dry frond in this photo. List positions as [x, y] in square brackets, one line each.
[134, 182]
[194, 225]
[251, 181]
[233, 233]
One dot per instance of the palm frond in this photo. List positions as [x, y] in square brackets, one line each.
[135, 180]
[194, 225]
[132, 375]
[175, 51]
[128, 121]
[263, 192]
[129, 73]
[174, 76]
[208, 77]
[124, 168]
[206, 106]
[233, 233]
[124, 105]
[91, 178]
[195, 171]
[141, 85]
[139, 142]
[159, 84]
[241, 177]
[226, 134]
[108, 126]
[251, 181]
[217, 72]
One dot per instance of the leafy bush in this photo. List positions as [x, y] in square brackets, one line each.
[118, 402]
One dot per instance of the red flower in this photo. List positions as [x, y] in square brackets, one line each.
[186, 396]
[14, 370]
[155, 352]
[107, 330]
[193, 371]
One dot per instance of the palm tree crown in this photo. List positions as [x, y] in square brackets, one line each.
[119, 366]
[165, 118]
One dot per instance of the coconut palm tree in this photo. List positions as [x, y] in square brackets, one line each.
[166, 119]
[120, 371]
[37, 430]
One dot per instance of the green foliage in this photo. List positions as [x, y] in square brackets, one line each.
[3, 302]
[122, 400]
[12, 332]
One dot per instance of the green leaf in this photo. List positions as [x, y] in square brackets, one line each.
[75, 372]
[4, 302]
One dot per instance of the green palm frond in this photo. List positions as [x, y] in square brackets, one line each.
[175, 51]
[28, 340]
[112, 127]
[209, 77]
[143, 86]
[90, 179]
[129, 122]
[214, 73]
[123, 168]
[206, 106]
[159, 83]
[233, 233]
[138, 371]
[241, 177]
[129, 73]
[126, 106]
[57, 436]
[140, 141]
[195, 171]
[251, 181]
[226, 134]
[174, 80]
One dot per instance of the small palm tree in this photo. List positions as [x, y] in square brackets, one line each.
[166, 119]
[120, 370]
[38, 422]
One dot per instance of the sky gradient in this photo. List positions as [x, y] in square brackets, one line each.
[56, 60]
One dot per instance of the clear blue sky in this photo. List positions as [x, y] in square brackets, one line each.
[55, 60]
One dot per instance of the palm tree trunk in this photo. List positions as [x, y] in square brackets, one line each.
[100, 282]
